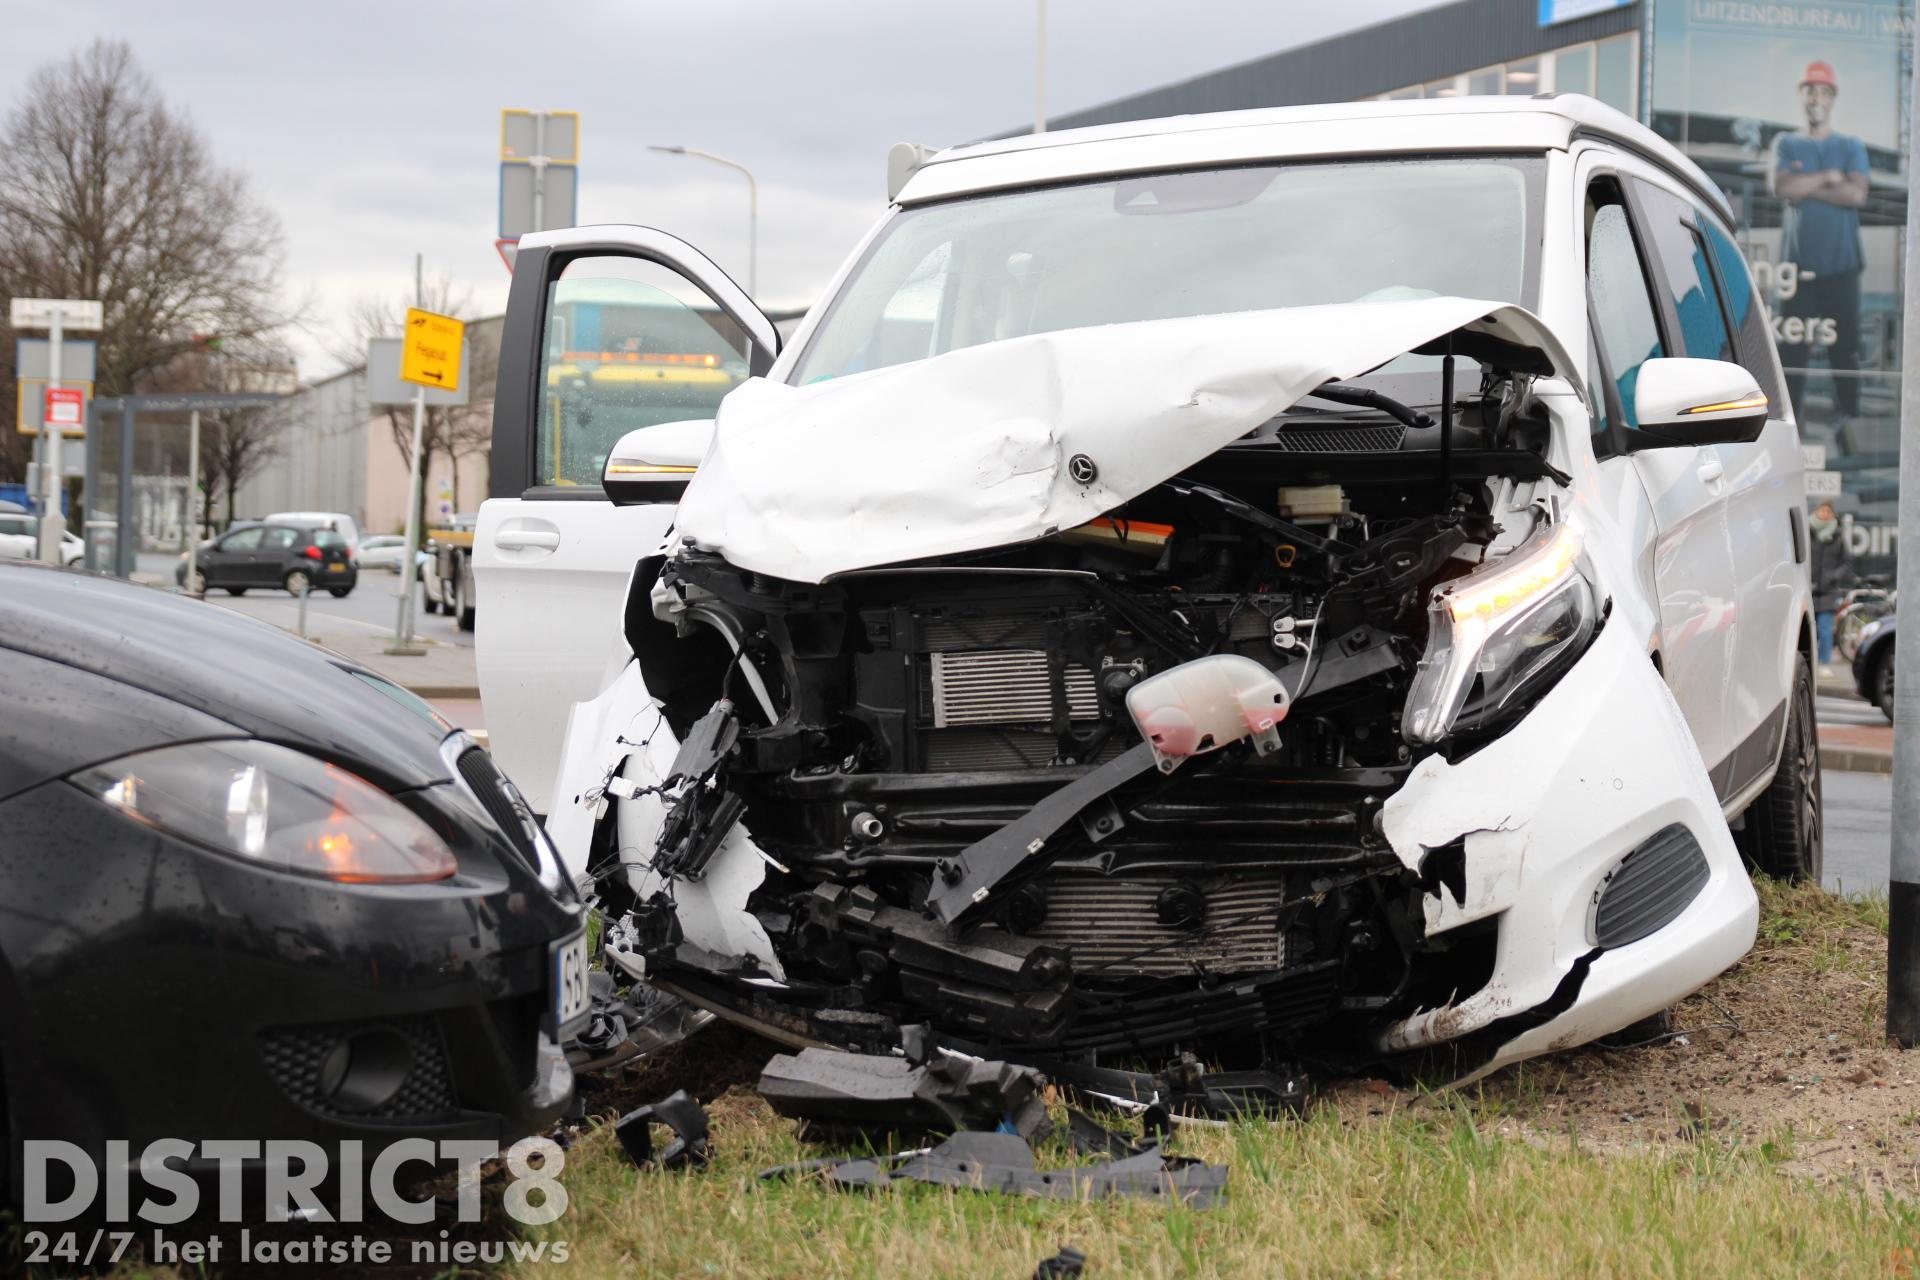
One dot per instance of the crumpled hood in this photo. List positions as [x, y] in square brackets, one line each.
[981, 447]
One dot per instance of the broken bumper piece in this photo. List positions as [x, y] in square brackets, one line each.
[874, 1093]
[1003, 1162]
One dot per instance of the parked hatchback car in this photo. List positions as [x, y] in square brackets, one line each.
[291, 558]
[20, 540]
[338, 521]
[316, 909]
[1259, 584]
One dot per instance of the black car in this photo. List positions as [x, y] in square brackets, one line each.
[286, 556]
[248, 888]
[1873, 663]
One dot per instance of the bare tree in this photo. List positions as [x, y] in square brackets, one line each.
[108, 193]
[234, 444]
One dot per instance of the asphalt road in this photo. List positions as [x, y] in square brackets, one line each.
[370, 610]
[1859, 830]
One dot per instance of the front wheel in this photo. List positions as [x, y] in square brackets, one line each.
[1783, 835]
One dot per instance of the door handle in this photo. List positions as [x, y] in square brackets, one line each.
[525, 540]
[1710, 471]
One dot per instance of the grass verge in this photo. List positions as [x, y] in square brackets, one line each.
[1535, 1173]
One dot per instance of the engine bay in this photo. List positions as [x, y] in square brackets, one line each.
[941, 765]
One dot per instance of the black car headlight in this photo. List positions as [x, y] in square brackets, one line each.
[272, 805]
[1502, 633]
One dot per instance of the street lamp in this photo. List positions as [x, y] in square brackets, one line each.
[753, 208]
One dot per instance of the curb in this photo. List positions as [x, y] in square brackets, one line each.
[1855, 760]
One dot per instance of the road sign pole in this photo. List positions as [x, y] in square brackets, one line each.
[403, 625]
[1903, 872]
[193, 505]
[52, 522]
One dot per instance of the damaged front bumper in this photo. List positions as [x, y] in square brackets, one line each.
[1581, 855]
[1591, 834]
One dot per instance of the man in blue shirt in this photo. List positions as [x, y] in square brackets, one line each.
[1822, 176]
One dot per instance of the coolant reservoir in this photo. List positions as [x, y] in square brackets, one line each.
[1206, 704]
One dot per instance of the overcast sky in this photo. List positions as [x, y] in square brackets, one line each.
[371, 129]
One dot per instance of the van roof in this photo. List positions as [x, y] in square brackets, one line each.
[1482, 125]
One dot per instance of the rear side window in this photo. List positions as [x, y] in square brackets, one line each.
[1622, 307]
[279, 539]
[1753, 337]
[245, 540]
[1688, 279]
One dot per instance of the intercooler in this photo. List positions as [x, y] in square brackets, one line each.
[1229, 922]
[992, 697]
[1006, 686]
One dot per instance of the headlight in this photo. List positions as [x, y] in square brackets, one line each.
[1499, 633]
[275, 806]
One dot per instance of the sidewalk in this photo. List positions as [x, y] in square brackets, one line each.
[1855, 748]
[443, 675]
[443, 671]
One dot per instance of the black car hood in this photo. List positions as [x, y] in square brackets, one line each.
[253, 676]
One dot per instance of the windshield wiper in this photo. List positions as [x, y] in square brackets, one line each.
[1368, 398]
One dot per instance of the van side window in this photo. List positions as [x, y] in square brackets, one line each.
[1753, 335]
[1628, 333]
[1689, 280]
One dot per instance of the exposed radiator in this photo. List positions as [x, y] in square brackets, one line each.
[1113, 925]
[1005, 686]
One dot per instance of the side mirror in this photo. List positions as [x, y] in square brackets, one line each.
[654, 464]
[1682, 401]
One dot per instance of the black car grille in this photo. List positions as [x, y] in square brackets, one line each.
[295, 1056]
[501, 801]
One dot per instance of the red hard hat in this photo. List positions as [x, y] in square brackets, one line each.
[1820, 73]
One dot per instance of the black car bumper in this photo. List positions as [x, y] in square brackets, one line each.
[150, 989]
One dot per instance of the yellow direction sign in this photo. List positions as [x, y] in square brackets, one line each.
[430, 352]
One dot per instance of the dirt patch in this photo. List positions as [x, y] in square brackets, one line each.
[719, 1058]
[1786, 1052]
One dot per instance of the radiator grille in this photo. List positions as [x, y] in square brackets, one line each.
[1110, 922]
[1005, 686]
[501, 801]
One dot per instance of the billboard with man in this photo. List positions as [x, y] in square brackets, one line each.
[1796, 110]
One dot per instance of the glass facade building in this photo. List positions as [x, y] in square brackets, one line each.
[1796, 108]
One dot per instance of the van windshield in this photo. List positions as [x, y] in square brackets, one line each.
[1199, 242]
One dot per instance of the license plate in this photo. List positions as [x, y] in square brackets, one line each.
[336, 568]
[570, 993]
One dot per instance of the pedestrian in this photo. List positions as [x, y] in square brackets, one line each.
[1832, 571]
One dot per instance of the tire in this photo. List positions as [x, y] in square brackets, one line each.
[236, 591]
[1882, 686]
[339, 593]
[462, 608]
[1783, 836]
[296, 581]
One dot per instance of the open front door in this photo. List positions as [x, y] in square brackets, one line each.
[609, 329]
